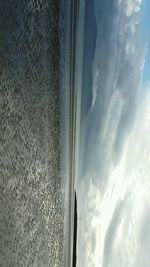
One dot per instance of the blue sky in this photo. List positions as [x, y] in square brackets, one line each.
[113, 186]
[146, 29]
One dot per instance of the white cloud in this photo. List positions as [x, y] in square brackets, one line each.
[130, 7]
[114, 89]
[117, 215]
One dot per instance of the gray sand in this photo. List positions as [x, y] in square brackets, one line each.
[31, 187]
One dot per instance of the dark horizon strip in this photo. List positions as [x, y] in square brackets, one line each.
[74, 11]
[75, 233]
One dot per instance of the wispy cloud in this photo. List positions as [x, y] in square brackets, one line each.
[114, 90]
[119, 214]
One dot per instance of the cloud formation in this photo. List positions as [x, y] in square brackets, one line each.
[130, 6]
[113, 188]
[117, 216]
[114, 89]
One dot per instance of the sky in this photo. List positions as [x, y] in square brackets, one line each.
[113, 187]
